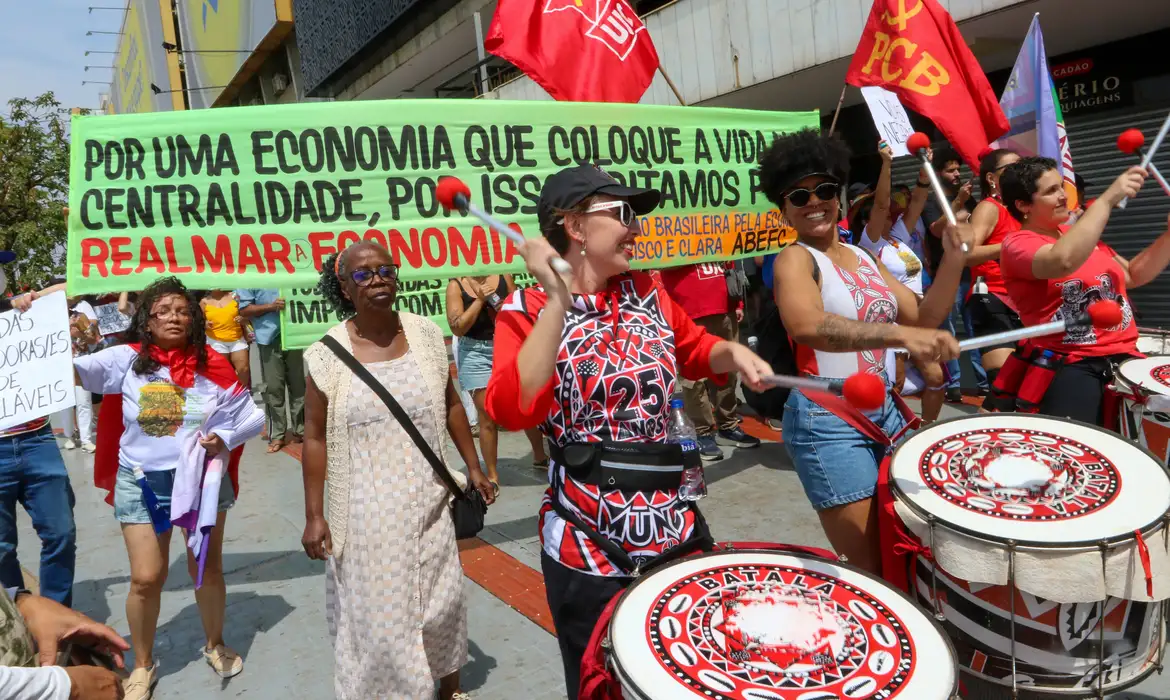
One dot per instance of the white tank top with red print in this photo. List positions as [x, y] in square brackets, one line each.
[857, 296]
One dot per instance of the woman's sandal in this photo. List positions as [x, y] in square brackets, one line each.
[540, 464]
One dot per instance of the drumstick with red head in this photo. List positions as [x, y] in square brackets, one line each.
[864, 391]
[1101, 314]
[1131, 141]
[454, 194]
[918, 144]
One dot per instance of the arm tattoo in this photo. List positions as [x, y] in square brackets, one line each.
[843, 335]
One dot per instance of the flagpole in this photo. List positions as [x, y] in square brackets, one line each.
[673, 87]
[837, 112]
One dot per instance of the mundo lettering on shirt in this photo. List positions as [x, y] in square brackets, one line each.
[260, 196]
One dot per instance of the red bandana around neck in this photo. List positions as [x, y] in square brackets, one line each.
[181, 363]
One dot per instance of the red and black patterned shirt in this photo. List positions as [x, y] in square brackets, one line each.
[620, 355]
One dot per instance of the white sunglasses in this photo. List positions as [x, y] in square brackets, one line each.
[626, 214]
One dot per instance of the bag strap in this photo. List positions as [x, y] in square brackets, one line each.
[404, 420]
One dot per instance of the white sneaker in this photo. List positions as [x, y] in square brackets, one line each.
[89, 447]
[69, 444]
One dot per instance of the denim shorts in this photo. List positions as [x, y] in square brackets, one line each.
[836, 464]
[130, 507]
[475, 363]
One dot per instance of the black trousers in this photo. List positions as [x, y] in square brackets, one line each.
[1078, 390]
[576, 600]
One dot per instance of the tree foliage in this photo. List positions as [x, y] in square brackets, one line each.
[34, 182]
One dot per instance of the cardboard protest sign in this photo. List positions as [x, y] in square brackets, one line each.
[36, 361]
[890, 118]
[307, 315]
[110, 320]
[259, 196]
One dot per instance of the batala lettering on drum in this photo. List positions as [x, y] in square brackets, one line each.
[767, 625]
[1050, 559]
[1144, 387]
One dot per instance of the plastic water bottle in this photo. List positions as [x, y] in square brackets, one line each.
[681, 431]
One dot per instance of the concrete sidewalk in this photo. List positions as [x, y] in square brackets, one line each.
[276, 616]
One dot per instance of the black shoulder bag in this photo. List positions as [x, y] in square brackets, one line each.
[468, 508]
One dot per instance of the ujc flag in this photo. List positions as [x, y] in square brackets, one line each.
[1029, 101]
[577, 50]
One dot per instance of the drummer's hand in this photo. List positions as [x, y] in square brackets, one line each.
[729, 356]
[538, 255]
[953, 238]
[927, 345]
[1125, 186]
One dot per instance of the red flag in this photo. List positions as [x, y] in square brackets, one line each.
[577, 50]
[913, 49]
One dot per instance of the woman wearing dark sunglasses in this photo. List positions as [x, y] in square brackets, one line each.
[842, 308]
[394, 585]
[593, 359]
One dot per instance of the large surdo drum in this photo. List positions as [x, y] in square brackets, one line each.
[1045, 550]
[769, 625]
[1144, 386]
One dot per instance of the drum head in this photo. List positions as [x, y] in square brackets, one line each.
[1150, 373]
[760, 625]
[1033, 479]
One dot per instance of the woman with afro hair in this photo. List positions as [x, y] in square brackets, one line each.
[394, 585]
[842, 308]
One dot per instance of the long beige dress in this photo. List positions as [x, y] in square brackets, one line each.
[395, 595]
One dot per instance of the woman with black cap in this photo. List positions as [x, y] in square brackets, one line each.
[842, 308]
[592, 358]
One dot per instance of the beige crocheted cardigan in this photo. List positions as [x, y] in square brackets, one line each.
[333, 378]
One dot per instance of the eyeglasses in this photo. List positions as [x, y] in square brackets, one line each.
[625, 212]
[363, 276]
[172, 313]
[825, 192]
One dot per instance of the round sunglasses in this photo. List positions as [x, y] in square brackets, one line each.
[825, 192]
[364, 276]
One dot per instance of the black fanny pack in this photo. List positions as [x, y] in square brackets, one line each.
[622, 466]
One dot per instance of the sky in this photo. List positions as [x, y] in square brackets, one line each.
[43, 44]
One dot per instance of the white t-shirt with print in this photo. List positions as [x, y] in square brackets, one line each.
[914, 239]
[899, 259]
[155, 411]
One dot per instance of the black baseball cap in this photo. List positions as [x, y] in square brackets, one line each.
[571, 186]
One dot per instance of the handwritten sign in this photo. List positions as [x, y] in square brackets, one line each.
[110, 320]
[36, 361]
[890, 118]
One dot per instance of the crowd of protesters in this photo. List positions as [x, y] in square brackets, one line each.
[171, 387]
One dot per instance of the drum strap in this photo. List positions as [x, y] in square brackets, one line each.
[861, 422]
[701, 540]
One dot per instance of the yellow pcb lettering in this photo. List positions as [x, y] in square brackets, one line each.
[926, 77]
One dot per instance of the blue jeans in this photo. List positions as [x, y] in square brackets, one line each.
[974, 356]
[836, 464]
[32, 472]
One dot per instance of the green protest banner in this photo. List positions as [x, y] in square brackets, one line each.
[259, 196]
[307, 315]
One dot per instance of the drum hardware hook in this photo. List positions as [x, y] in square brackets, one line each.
[938, 613]
[1104, 547]
[1166, 531]
[1011, 547]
